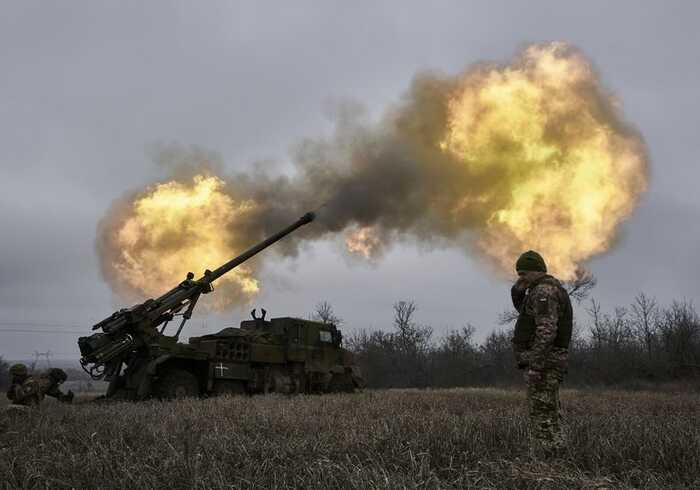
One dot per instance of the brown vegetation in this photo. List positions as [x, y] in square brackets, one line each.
[458, 438]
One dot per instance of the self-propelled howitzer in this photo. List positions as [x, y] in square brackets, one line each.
[131, 347]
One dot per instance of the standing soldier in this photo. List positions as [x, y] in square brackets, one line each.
[30, 391]
[540, 343]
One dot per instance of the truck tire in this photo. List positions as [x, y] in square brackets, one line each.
[341, 383]
[175, 384]
[230, 387]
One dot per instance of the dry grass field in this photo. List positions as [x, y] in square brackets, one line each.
[459, 438]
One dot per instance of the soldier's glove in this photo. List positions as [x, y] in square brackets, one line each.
[517, 293]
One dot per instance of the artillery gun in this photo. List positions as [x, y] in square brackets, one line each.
[287, 355]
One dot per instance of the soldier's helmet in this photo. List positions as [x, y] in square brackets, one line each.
[19, 371]
[57, 375]
[530, 261]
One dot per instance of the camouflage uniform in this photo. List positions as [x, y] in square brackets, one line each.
[25, 393]
[544, 304]
[30, 391]
[23, 389]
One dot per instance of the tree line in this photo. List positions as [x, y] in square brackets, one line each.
[638, 344]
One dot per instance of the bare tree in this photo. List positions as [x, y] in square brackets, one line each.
[324, 313]
[680, 332]
[413, 343]
[645, 321]
[619, 331]
[413, 338]
[459, 342]
[578, 341]
[597, 328]
[497, 353]
[403, 314]
[580, 287]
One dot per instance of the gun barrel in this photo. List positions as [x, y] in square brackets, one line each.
[172, 301]
[215, 274]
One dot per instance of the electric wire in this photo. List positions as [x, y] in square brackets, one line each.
[38, 327]
[19, 330]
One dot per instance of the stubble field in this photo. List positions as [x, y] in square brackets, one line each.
[459, 438]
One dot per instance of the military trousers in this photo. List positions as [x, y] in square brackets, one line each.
[546, 434]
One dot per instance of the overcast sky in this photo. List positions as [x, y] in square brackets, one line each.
[87, 88]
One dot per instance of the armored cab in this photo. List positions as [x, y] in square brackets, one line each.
[281, 355]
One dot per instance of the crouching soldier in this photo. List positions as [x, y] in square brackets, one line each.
[29, 390]
[49, 383]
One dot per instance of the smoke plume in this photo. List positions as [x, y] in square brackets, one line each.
[532, 154]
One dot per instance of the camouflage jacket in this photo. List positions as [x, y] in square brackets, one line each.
[27, 393]
[542, 303]
[32, 391]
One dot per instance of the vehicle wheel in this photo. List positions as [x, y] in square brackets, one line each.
[229, 386]
[174, 384]
[341, 383]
